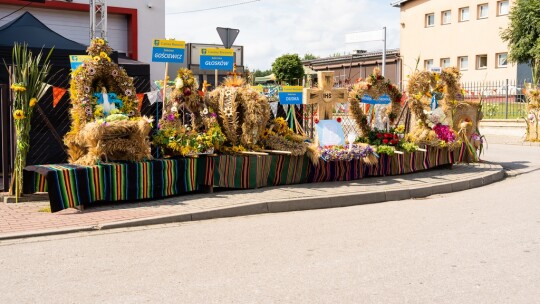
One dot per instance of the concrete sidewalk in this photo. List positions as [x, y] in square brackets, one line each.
[32, 219]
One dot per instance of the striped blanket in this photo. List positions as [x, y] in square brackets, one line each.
[73, 185]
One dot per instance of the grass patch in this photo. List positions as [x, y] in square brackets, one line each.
[45, 209]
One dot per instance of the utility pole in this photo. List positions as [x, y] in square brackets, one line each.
[98, 19]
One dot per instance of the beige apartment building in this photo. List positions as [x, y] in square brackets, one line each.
[462, 33]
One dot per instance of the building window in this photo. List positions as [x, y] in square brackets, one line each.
[428, 64]
[446, 17]
[464, 14]
[430, 20]
[481, 62]
[502, 60]
[483, 11]
[445, 62]
[463, 63]
[502, 8]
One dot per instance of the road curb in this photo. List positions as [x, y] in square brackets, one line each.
[495, 173]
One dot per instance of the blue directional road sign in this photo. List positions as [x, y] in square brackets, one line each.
[291, 95]
[168, 51]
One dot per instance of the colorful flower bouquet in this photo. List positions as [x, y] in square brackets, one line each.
[348, 153]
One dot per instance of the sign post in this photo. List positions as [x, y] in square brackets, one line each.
[216, 59]
[168, 51]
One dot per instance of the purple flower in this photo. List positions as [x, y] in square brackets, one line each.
[170, 117]
[213, 115]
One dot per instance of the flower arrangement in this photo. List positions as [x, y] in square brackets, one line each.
[278, 136]
[188, 126]
[348, 153]
[28, 73]
[533, 109]
[242, 113]
[375, 86]
[103, 92]
[384, 149]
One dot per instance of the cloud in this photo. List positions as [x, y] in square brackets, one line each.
[271, 28]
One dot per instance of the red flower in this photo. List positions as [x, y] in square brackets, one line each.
[396, 136]
[385, 141]
[393, 141]
[316, 120]
[388, 135]
[338, 119]
[379, 135]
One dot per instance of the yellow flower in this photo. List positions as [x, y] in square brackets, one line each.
[100, 41]
[18, 87]
[33, 102]
[96, 58]
[103, 55]
[18, 114]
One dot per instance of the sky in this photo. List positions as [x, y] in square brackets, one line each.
[271, 28]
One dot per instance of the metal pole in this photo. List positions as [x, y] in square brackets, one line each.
[384, 52]
[506, 111]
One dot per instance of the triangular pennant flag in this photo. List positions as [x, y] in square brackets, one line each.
[58, 93]
[45, 86]
[274, 108]
[140, 97]
[286, 108]
[152, 96]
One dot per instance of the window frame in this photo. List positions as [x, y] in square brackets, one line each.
[497, 62]
[461, 14]
[499, 5]
[478, 11]
[426, 64]
[442, 17]
[478, 61]
[460, 63]
[449, 62]
[426, 20]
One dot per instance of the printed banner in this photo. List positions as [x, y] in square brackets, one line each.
[384, 99]
[168, 51]
[77, 60]
[291, 95]
[216, 59]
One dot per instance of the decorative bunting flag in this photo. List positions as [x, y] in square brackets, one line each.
[286, 108]
[153, 96]
[140, 97]
[58, 93]
[274, 108]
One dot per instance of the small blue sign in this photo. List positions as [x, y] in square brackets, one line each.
[222, 63]
[384, 99]
[290, 98]
[161, 54]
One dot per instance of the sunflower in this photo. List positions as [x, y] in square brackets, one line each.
[33, 102]
[100, 41]
[18, 87]
[96, 58]
[103, 55]
[18, 114]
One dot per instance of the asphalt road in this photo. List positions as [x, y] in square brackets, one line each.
[476, 246]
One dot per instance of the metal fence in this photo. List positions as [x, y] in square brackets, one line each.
[500, 99]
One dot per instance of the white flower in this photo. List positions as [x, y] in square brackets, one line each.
[204, 111]
[196, 83]
[179, 83]
[174, 109]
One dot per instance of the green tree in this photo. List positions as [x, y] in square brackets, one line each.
[523, 35]
[309, 56]
[261, 73]
[288, 68]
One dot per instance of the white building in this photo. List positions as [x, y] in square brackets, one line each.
[132, 24]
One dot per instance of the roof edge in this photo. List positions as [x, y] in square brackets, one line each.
[398, 3]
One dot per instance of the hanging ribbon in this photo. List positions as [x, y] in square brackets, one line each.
[58, 93]
[140, 97]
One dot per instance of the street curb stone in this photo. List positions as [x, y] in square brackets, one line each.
[492, 173]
